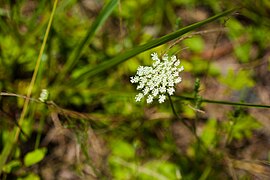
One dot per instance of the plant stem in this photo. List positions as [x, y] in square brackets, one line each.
[192, 128]
[174, 112]
[225, 102]
[16, 132]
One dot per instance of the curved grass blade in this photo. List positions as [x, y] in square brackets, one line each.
[99, 21]
[154, 43]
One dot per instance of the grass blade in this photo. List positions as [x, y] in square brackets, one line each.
[16, 131]
[154, 43]
[99, 21]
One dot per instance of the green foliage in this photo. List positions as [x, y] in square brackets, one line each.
[209, 134]
[236, 28]
[195, 44]
[157, 170]
[74, 57]
[122, 149]
[34, 157]
[164, 170]
[242, 46]
[241, 126]
[30, 176]
[12, 166]
[125, 164]
[199, 66]
[149, 45]
[237, 80]
[243, 52]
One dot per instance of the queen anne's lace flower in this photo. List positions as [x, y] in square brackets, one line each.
[157, 80]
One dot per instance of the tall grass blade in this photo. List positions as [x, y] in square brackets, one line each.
[16, 131]
[99, 21]
[154, 43]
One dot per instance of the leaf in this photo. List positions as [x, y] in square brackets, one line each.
[195, 44]
[161, 170]
[11, 165]
[209, 133]
[154, 43]
[75, 55]
[237, 80]
[123, 149]
[30, 176]
[243, 127]
[242, 52]
[34, 157]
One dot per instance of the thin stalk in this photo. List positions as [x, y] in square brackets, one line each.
[40, 128]
[229, 136]
[175, 113]
[32, 83]
[18, 95]
[192, 128]
[16, 132]
[229, 103]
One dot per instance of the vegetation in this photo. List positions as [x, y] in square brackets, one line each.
[68, 109]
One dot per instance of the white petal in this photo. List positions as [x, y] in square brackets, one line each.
[170, 91]
[149, 99]
[177, 80]
[177, 63]
[161, 98]
[138, 97]
[155, 56]
[155, 92]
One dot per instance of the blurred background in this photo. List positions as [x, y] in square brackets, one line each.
[93, 128]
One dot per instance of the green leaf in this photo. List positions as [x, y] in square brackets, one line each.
[243, 126]
[237, 80]
[139, 49]
[75, 55]
[235, 29]
[123, 149]
[195, 44]
[121, 169]
[199, 66]
[9, 167]
[30, 176]
[34, 157]
[162, 170]
[209, 133]
[242, 52]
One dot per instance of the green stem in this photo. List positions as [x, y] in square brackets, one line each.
[16, 131]
[76, 54]
[192, 128]
[225, 102]
[174, 112]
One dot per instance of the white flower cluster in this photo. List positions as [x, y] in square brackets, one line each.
[157, 80]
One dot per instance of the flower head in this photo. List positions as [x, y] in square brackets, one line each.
[157, 80]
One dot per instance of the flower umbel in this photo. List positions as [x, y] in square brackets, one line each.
[157, 80]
